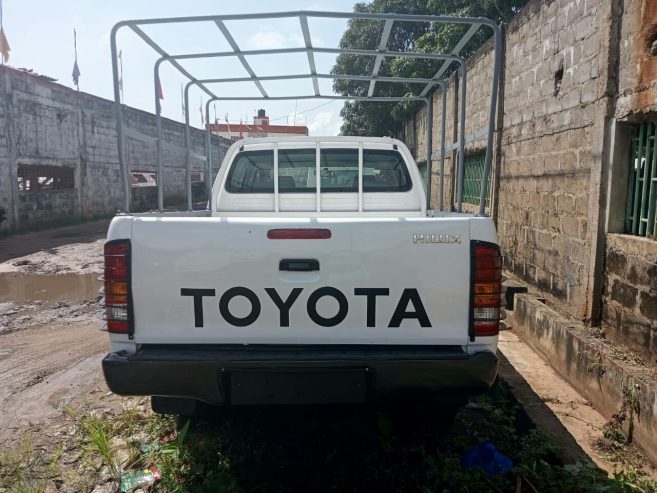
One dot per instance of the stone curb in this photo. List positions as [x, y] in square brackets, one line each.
[584, 361]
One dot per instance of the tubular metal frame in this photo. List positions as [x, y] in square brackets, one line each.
[380, 53]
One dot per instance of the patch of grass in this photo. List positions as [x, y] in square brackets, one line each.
[27, 469]
[96, 434]
[189, 467]
[132, 419]
[155, 440]
[632, 480]
[408, 446]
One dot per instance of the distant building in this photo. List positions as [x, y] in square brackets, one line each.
[259, 128]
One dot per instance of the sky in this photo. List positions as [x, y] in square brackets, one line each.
[40, 33]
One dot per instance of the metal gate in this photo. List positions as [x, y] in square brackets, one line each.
[642, 182]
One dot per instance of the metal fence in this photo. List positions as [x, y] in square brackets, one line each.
[640, 217]
[473, 179]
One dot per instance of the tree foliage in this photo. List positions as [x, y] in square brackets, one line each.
[376, 119]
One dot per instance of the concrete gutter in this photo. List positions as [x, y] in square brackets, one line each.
[610, 384]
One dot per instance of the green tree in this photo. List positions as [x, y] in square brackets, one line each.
[372, 118]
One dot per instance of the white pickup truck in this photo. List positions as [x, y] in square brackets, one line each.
[331, 283]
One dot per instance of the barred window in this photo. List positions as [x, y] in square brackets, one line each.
[36, 177]
[474, 171]
[640, 217]
[144, 179]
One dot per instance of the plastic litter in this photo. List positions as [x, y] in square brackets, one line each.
[486, 456]
[146, 447]
[131, 480]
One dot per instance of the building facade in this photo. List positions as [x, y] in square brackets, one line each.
[59, 159]
[259, 128]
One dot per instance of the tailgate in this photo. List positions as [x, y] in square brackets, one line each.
[223, 281]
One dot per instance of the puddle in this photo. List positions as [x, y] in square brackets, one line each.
[20, 287]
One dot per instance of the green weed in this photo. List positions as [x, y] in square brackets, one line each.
[408, 447]
[27, 469]
[96, 433]
[632, 480]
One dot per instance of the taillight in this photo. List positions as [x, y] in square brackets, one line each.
[486, 289]
[118, 305]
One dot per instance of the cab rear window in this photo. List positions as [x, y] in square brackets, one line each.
[253, 171]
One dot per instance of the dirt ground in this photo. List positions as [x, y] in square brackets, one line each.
[50, 342]
[74, 249]
[51, 347]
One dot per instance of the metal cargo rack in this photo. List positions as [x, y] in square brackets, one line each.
[379, 54]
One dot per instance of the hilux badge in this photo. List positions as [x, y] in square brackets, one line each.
[437, 238]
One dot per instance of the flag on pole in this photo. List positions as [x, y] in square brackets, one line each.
[76, 70]
[4, 44]
[216, 120]
[76, 75]
[200, 109]
[241, 133]
[228, 126]
[160, 94]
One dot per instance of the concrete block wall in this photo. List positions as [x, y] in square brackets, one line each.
[44, 123]
[420, 132]
[630, 293]
[577, 74]
[6, 192]
[629, 309]
[552, 57]
[637, 81]
[54, 144]
[479, 75]
[552, 51]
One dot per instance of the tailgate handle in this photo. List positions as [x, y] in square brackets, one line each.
[299, 264]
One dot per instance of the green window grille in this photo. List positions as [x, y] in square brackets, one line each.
[640, 217]
[474, 171]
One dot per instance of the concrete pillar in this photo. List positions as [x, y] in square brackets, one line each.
[610, 17]
[12, 187]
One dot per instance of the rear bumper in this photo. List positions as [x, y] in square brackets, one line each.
[281, 375]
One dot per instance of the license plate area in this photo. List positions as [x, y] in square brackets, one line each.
[316, 386]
